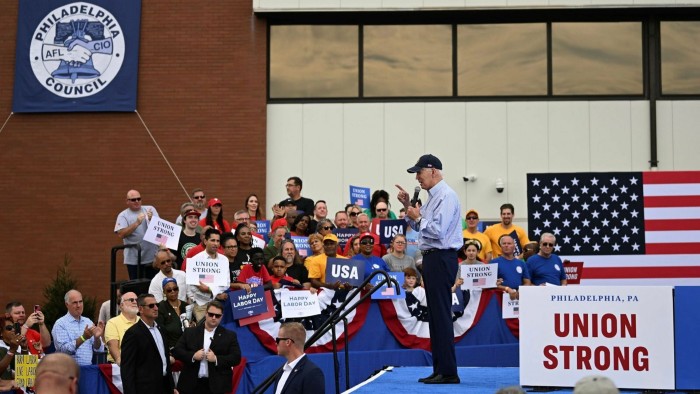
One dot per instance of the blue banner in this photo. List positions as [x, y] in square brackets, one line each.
[389, 228]
[264, 229]
[359, 196]
[302, 245]
[386, 292]
[77, 56]
[244, 304]
[344, 234]
[345, 270]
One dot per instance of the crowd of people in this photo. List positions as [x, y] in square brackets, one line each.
[180, 322]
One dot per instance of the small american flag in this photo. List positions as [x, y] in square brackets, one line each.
[516, 309]
[479, 282]
[389, 291]
[360, 202]
[162, 238]
[206, 278]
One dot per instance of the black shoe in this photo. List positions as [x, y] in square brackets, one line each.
[432, 376]
[440, 379]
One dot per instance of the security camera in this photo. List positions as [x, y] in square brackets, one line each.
[499, 185]
[469, 178]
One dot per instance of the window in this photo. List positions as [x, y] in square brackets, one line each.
[597, 58]
[502, 59]
[313, 61]
[407, 60]
[680, 57]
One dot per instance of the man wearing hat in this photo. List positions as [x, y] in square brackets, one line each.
[471, 232]
[439, 236]
[317, 264]
[189, 238]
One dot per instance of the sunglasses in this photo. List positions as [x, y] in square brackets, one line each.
[172, 289]
[11, 328]
[129, 299]
[353, 214]
[278, 340]
[367, 242]
[150, 306]
[472, 218]
[134, 199]
[199, 197]
[547, 244]
[216, 315]
[326, 227]
[381, 209]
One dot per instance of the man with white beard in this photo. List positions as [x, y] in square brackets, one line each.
[117, 326]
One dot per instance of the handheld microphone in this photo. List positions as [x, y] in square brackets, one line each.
[414, 200]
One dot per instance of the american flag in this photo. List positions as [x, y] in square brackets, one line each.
[206, 278]
[163, 239]
[479, 282]
[633, 227]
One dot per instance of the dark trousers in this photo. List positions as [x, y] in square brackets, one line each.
[439, 273]
[203, 386]
[147, 271]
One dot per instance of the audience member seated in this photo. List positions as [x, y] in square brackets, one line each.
[295, 265]
[512, 271]
[279, 275]
[546, 267]
[372, 262]
[255, 273]
[397, 260]
[164, 263]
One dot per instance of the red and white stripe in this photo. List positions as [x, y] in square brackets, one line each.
[671, 233]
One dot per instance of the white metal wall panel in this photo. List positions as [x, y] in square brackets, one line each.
[319, 4]
[569, 136]
[331, 146]
[360, 4]
[686, 134]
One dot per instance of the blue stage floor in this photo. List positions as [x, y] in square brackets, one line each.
[474, 381]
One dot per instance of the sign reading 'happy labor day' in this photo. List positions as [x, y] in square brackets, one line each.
[624, 332]
[77, 56]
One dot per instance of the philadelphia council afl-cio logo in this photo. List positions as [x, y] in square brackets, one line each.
[77, 50]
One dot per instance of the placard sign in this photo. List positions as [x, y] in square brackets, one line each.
[299, 303]
[345, 270]
[244, 304]
[623, 332]
[386, 292]
[574, 271]
[209, 271]
[163, 232]
[478, 276]
[344, 235]
[510, 309]
[25, 369]
[389, 228]
[302, 245]
[359, 196]
[264, 229]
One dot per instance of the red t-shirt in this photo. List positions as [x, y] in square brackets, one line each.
[251, 277]
[226, 229]
[33, 337]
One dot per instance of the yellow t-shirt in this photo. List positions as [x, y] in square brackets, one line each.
[483, 240]
[115, 329]
[497, 230]
[317, 266]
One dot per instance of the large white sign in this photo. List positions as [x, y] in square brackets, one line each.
[162, 232]
[299, 303]
[624, 333]
[478, 276]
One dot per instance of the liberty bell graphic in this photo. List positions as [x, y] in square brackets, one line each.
[69, 34]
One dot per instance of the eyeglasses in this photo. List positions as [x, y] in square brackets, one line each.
[472, 218]
[381, 209]
[134, 199]
[547, 244]
[11, 328]
[326, 227]
[353, 214]
[232, 247]
[367, 242]
[129, 299]
[242, 219]
[399, 243]
[216, 315]
[172, 289]
[150, 306]
[202, 197]
[290, 185]
[278, 340]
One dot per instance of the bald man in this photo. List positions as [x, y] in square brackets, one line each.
[131, 226]
[57, 373]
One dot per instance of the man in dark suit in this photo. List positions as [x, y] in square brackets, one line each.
[299, 374]
[209, 353]
[145, 366]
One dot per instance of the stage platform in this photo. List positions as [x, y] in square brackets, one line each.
[473, 381]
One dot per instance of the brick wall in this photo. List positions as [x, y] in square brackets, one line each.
[64, 177]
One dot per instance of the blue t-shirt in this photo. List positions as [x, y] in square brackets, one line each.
[549, 270]
[372, 263]
[511, 271]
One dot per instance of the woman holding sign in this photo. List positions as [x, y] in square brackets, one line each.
[8, 349]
